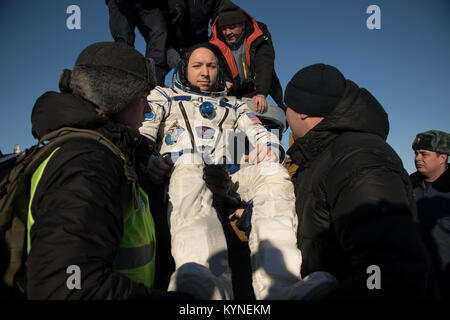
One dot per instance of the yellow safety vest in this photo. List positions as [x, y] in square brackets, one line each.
[136, 256]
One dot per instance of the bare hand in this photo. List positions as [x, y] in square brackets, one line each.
[229, 85]
[159, 168]
[260, 153]
[260, 103]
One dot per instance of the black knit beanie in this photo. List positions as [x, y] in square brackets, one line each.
[315, 90]
[229, 13]
[109, 75]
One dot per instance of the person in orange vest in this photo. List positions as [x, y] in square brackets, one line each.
[248, 56]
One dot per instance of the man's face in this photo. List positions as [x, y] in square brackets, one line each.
[233, 32]
[134, 114]
[428, 162]
[202, 69]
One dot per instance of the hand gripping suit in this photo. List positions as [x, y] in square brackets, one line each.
[198, 243]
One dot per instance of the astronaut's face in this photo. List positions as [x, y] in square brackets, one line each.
[202, 69]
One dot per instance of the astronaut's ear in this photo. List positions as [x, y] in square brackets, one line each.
[64, 81]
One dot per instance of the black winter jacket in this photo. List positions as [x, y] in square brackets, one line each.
[433, 207]
[355, 204]
[147, 4]
[193, 27]
[79, 206]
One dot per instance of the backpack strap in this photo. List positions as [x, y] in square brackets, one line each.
[15, 196]
[15, 241]
[59, 137]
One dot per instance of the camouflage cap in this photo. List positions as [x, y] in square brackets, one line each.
[433, 140]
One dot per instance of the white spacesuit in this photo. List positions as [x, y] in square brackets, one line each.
[198, 128]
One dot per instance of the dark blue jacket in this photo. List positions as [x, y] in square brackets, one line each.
[433, 206]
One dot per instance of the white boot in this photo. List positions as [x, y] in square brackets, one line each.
[201, 283]
[313, 287]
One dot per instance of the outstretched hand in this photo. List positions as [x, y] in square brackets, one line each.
[261, 153]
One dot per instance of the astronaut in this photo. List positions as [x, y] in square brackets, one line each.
[196, 124]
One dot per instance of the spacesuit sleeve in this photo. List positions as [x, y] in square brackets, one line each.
[159, 101]
[248, 122]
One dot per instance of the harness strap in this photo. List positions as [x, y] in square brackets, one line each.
[188, 125]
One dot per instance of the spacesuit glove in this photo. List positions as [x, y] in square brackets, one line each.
[217, 179]
[226, 206]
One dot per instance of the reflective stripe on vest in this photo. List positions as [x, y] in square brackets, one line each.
[136, 256]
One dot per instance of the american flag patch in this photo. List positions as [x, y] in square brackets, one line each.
[205, 132]
[253, 118]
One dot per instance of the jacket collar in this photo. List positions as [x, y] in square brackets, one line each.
[306, 149]
[53, 111]
[442, 184]
[124, 138]
[238, 43]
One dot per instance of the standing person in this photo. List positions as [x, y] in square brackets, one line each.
[84, 212]
[189, 21]
[149, 17]
[353, 197]
[431, 183]
[248, 54]
[194, 120]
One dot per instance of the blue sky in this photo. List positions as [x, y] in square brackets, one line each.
[405, 64]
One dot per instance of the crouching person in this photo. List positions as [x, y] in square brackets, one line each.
[353, 197]
[90, 231]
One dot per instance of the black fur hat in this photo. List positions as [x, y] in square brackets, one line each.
[433, 140]
[109, 75]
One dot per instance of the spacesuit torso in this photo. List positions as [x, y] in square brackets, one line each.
[202, 124]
